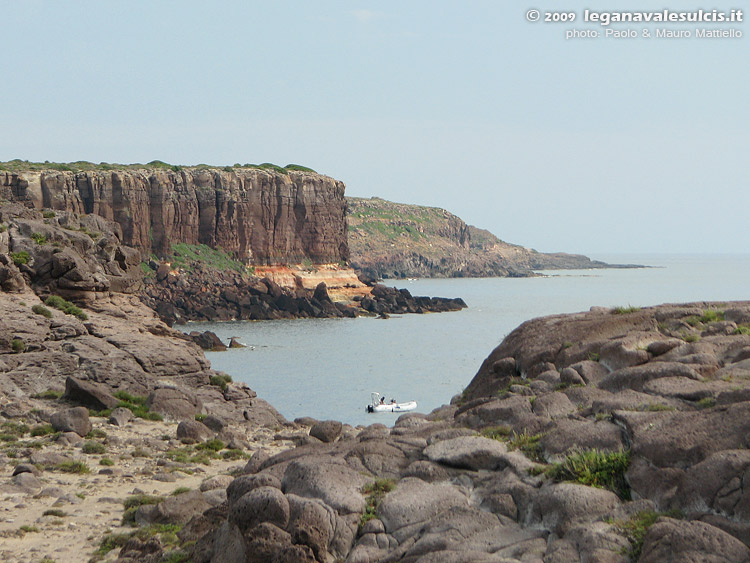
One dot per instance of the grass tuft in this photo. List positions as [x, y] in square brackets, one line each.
[595, 468]
[375, 492]
[65, 306]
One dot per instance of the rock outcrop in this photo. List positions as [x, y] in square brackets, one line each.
[70, 321]
[640, 456]
[396, 240]
[259, 216]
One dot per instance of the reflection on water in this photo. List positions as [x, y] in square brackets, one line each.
[327, 368]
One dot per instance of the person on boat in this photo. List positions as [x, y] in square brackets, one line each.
[393, 401]
[382, 400]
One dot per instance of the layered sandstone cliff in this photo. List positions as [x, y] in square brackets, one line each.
[261, 216]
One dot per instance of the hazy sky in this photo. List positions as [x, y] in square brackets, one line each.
[588, 145]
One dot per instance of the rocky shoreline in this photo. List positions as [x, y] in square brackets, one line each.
[611, 435]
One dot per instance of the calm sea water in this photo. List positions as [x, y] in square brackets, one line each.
[326, 368]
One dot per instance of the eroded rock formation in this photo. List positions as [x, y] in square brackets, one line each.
[612, 435]
[260, 216]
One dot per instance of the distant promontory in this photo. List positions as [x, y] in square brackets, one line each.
[397, 240]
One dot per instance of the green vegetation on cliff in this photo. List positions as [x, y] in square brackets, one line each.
[186, 255]
[18, 165]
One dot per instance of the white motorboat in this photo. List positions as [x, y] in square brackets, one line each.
[378, 404]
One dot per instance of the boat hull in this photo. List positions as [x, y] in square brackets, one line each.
[397, 407]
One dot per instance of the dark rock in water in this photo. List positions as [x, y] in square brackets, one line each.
[208, 340]
[89, 394]
[72, 420]
[234, 343]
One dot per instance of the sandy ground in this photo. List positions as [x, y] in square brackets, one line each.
[92, 502]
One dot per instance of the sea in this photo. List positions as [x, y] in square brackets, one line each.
[327, 368]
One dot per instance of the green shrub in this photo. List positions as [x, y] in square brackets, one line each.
[17, 345]
[181, 490]
[234, 454]
[55, 512]
[594, 468]
[137, 406]
[707, 402]
[375, 492]
[527, 443]
[72, 467]
[742, 329]
[42, 430]
[14, 428]
[39, 238]
[106, 462]
[496, 433]
[712, 316]
[40, 309]
[91, 447]
[214, 445]
[637, 526]
[96, 433]
[65, 306]
[48, 214]
[221, 380]
[49, 394]
[625, 310]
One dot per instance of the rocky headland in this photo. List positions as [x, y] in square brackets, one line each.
[396, 240]
[611, 435]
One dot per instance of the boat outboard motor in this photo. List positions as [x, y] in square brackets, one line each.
[369, 408]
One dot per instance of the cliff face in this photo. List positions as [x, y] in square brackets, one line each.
[262, 216]
[396, 240]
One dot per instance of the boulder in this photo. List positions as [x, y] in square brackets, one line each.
[174, 510]
[327, 430]
[88, 394]
[72, 420]
[678, 540]
[311, 523]
[414, 502]
[246, 483]
[553, 405]
[174, 404]
[326, 478]
[562, 506]
[216, 482]
[262, 504]
[468, 452]
[193, 432]
[566, 435]
[636, 377]
[120, 416]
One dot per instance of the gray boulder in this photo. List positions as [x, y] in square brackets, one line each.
[246, 483]
[89, 394]
[326, 431]
[72, 420]
[311, 523]
[174, 510]
[193, 432]
[174, 404]
[562, 506]
[120, 416]
[468, 452]
[264, 504]
[414, 502]
[636, 377]
[328, 479]
[678, 540]
[566, 435]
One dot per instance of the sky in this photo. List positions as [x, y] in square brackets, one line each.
[590, 145]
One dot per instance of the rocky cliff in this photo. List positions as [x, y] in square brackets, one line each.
[395, 240]
[69, 309]
[261, 216]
